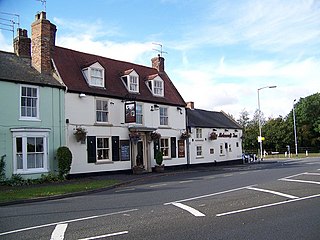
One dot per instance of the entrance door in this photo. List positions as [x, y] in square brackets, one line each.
[139, 158]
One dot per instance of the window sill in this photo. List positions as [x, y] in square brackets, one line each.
[164, 127]
[30, 119]
[26, 172]
[198, 157]
[199, 139]
[103, 162]
[103, 124]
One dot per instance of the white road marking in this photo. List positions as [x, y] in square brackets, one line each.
[273, 192]
[107, 235]
[208, 195]
[58, 232]
[189, 209]
[158, 185]
[297, 180]
[228, 175]
[315, 174]
[125, 190]
[299, 174]
[68, 221]
[186, 181]
[267, 205]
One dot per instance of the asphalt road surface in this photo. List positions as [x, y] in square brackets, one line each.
[257, 201]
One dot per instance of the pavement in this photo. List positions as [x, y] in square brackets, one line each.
[125, 178]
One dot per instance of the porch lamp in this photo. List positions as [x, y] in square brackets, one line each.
[260, 137]
[295, 128]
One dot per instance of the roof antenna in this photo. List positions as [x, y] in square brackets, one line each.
[8, 22]
[44, 4]
[157, 50]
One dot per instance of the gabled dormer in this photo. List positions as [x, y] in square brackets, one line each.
[131, 80]
[94, 75]
[156, 85]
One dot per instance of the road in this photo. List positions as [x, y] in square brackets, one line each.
[258, 201]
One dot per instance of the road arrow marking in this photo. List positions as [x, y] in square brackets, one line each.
[58, 232]
[189, 209]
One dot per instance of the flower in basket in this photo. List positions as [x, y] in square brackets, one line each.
[80, 133]
[134, 137]
[184, 135]
[213, 136]
[155, 135]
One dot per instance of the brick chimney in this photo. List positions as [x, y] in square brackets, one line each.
[43, 35]
[22, 44]
[158, 63]
[190, 105]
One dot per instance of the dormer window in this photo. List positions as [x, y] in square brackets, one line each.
[156, 85]
[94, 75]
[131, 80]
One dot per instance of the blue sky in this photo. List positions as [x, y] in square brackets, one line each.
[219, 52]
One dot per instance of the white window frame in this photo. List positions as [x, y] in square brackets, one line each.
[156, 86]
[165, 148]
[164, 116]
[32, 118]
[139, 115]
[230, 148]
[94, 80]
[199, 151]
[133, 84]
[108, 148]
[221, 148]
[102, 110]
[199, 133]
[24, 134]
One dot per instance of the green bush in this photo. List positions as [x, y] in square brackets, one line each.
[159, 158]
[64, 157]
[2, 169]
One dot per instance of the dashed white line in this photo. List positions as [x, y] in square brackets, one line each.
[158, 185]
[189, 209]
[273, 192]
[58, 232]
[107, 235]
[186, 181]
[267, 205]
[300, 181]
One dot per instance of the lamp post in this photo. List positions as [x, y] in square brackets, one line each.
[260, 137]
[295, 128]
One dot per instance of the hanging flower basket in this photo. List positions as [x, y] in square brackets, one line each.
[80, 133]
[155, 136]
[213, 136]
[134, 137]
[184, 135]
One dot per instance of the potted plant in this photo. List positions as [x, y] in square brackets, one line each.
[155, 135]
[80, 133]
[159, 160]
[134, 137]
[184, 135]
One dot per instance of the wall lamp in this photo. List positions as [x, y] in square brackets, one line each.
[179, 109]
[82, 95]
[154, 107]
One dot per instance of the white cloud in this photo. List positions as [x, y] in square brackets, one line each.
[5, 46]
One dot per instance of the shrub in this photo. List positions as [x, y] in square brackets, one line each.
[2, 169]
[159, 158]
[64, 156]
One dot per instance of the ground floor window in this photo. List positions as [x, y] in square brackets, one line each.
[103, 148]
[30, 151]
[199, 151]
[164, 147]
[221, 149]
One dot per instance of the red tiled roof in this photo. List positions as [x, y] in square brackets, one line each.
[70, 63]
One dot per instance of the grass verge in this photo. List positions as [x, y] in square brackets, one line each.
[9, 194]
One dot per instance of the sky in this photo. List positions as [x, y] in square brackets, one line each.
[218, 53]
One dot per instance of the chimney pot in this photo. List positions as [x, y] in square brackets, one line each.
[158, 63]
[22, 44]
[190, 105]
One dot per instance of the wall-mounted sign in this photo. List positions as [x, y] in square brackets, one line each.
[227, 135]
[125, 150]
[130, 112]
[181, 148]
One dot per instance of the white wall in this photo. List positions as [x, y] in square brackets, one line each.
[81, 112]
[207, 144]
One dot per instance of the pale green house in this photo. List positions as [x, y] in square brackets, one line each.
[31, 118]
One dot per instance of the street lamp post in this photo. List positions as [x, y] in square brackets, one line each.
[295, 129]
[260, 134]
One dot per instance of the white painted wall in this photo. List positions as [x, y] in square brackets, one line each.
[207, 157]
[81, 112]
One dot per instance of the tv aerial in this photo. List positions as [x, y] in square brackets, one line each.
[159, 51]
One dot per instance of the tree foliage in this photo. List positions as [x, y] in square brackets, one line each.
[279, 132]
